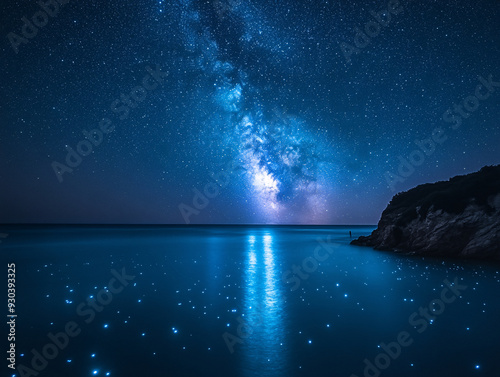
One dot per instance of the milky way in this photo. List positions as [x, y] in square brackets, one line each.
[282, 163]
[316, 106]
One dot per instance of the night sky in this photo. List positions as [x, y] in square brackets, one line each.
[237, 111]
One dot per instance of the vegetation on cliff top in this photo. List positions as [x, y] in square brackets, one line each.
[451, 196]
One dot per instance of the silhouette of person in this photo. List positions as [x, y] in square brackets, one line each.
[350, 234]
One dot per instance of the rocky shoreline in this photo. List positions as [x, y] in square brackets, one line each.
[455, 218]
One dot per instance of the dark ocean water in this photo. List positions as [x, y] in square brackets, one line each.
[244, 301]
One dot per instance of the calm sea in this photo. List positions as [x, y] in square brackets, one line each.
[243, 301]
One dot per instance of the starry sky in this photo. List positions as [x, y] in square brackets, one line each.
[236, 111]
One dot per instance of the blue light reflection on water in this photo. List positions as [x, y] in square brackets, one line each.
[192, 284]
[264, 348]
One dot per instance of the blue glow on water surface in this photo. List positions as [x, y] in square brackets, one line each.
[250, 301]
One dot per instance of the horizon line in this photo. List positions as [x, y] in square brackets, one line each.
[173, 224]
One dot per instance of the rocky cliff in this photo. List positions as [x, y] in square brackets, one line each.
[456, 218]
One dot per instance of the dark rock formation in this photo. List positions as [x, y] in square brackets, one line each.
[456, 218]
